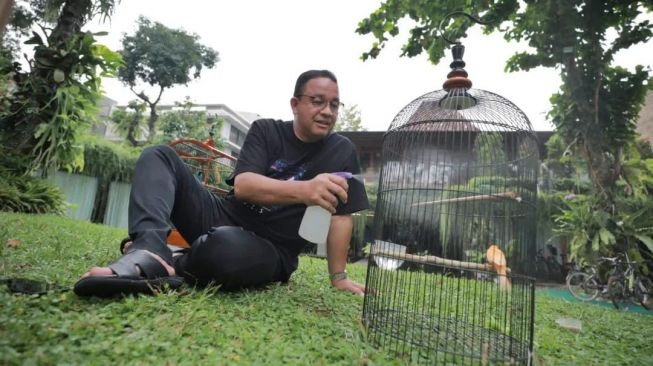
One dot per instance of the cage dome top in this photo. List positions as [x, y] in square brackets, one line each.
[434, 112]
[459, 107]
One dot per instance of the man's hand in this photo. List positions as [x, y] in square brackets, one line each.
[349, 285]
[325, 190]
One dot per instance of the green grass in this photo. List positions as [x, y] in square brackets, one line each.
[304, 322]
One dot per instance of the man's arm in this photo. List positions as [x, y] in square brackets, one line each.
[323, 190]
[337, 249]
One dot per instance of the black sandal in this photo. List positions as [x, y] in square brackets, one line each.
[136, 272]
[175, 249]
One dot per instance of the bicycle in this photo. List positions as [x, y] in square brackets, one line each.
[625, 285]
[587, 284]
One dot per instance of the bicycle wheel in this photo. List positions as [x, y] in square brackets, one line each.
[583, 286]
[616, 291]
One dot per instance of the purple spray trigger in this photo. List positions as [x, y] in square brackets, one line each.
[346, 175]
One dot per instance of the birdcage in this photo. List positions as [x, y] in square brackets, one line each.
[454, 231]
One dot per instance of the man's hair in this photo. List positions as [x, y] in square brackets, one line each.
[306, 76]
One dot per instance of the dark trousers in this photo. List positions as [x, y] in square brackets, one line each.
[165, 194]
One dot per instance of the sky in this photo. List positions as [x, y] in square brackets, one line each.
[264, 45]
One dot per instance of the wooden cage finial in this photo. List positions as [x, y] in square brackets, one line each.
[457, 77]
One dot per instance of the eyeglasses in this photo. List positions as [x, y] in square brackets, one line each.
[319, 102]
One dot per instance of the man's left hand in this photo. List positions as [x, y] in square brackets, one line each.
[349, 285]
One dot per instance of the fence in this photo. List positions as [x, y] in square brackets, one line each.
[80, 192]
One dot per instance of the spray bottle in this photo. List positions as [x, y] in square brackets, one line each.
[317, 220]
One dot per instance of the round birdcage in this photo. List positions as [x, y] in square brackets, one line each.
[454, 229]
[455, 181]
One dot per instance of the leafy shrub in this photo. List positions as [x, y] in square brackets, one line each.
[29, 195]
[594, 231]
[109, 161]
[24, 193]
[574, 185]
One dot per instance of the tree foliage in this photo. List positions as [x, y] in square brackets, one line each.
[184, 122]
[349, 119]
[46, 107]
[162, 57]
[130, 121]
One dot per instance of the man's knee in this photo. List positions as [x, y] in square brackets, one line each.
[224, 248]
[157, 151]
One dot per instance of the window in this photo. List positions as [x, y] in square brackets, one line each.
[236, 136]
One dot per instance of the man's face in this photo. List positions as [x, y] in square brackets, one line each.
[316, 110]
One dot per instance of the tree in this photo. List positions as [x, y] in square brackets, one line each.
[349, 120]
[162, 57]
[130, 121]
[46, 108]
[5, 12]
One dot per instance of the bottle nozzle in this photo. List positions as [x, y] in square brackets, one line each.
[348, 175]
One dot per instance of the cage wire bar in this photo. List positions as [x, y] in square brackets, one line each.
[454, 230]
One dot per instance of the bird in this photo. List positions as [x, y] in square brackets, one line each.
[497, 260]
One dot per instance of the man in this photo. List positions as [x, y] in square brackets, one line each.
[250, 237]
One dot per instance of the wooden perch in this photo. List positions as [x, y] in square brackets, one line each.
[431, 259]
[481, 197]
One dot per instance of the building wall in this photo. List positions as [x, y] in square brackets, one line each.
[103, 127]
[234, 128]
[232, 120]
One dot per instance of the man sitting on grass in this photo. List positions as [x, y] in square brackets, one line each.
[250, 238]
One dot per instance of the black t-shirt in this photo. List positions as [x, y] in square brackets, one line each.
[272, 150]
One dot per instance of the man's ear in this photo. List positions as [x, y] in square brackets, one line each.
[293, 105]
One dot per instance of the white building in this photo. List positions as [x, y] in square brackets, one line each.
[234, 128]
[103, 127]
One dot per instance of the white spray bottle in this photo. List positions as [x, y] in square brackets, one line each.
[316, 221]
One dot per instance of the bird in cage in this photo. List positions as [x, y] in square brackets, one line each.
[497, 260]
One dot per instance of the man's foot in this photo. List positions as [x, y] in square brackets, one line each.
[106, 271]
[137, 272]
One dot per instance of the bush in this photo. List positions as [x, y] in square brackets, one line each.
[24, 193]
[27, 194]
[109, 161]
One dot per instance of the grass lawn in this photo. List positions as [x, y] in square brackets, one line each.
[304, 322]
